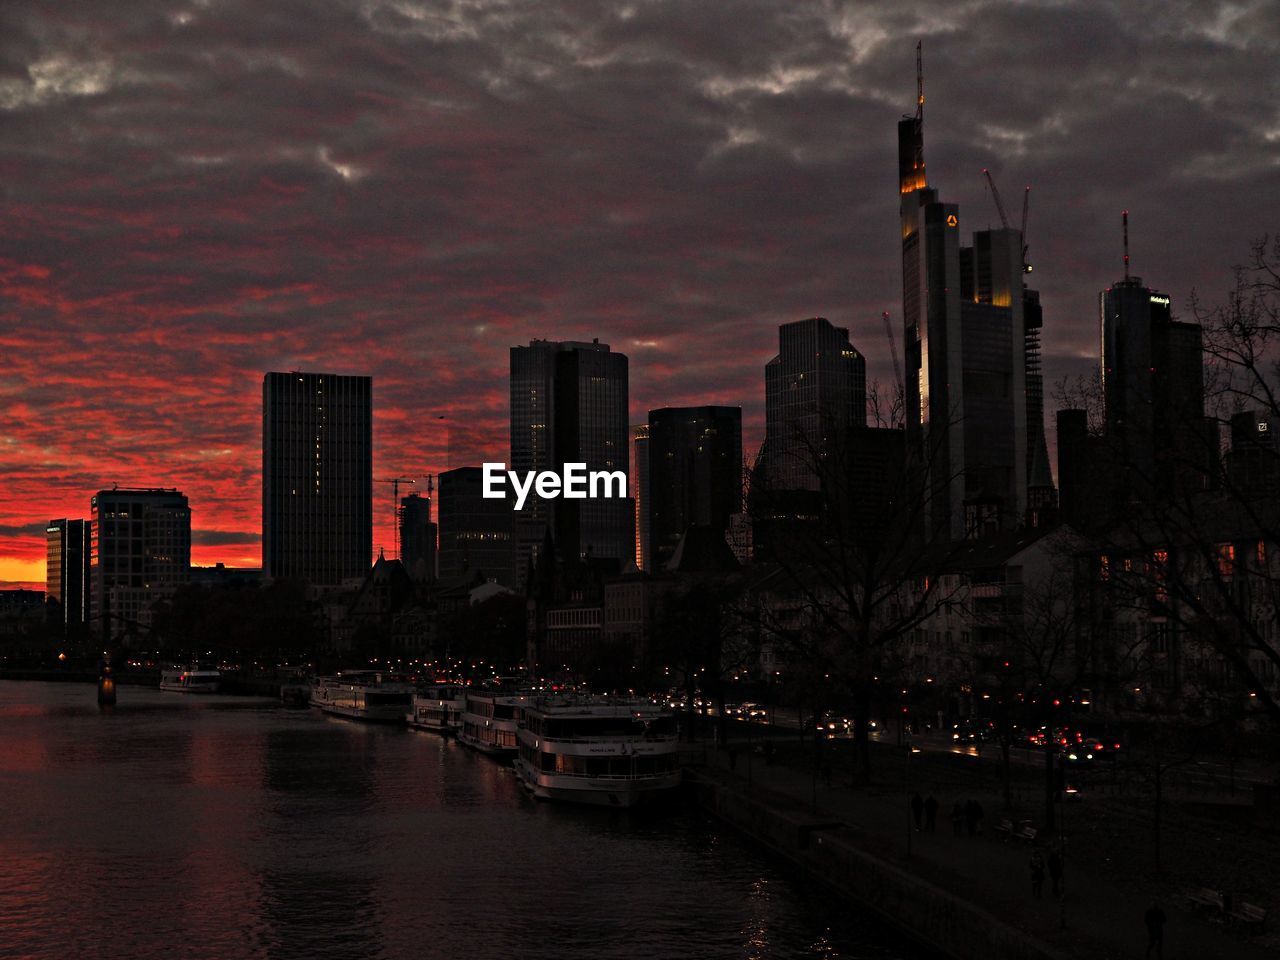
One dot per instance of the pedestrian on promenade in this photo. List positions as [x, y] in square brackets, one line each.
[826, 772]
[733, 759]
[957, 819]
[931, 814]
[1154, 919]
[917, 809]
[971, 816]
[1037, 873]
[768, 753]
[1055, 870]
[978, 814]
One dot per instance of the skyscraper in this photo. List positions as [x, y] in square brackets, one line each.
[972, 366]
[475, 532]
[569, 405]
[1153, 387]
[695, 474]
[815, 389]
[68, 571]
[417, 537]
[640, 491]
[317, 477]
[141, 546]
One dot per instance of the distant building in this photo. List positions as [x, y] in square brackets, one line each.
[1153, 390]
[475, 532]
[569, 405]
[69, 565]
[974, 389]
[815, 389]
[317, 477]
[417, 538]
[141, 554]
[222, 577]
[695, 474]
[640, 491]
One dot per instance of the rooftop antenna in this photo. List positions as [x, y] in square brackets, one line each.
[1125, 215]
[919, 82]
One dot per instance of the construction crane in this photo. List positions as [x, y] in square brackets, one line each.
[1004, 218]
[395, 507]
[893, 349]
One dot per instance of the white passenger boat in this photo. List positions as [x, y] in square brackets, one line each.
[599, 750]
[363, 695]
[489, 717]
[437, 707]
[181, 680]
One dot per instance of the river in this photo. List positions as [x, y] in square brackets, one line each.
[219, 827]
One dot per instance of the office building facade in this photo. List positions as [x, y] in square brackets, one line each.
[569, 405]
[68, 569]
[417, 538]
[317, 477]
[141, 553]
[815, 390]
[695, 474]
[475, 532]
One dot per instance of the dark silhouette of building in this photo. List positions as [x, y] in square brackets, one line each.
[695, 474]
[814, 389]
[973, 388]
[1153, 389]
[317, 477]
[417, 538]
[640, 492]
[475, 532]
[141, 553]
[569, 405]
[69, 563]
[1253, 465]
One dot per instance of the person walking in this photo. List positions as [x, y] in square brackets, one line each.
[971, 817]
[1037, 873]
[917, 809]
[957, 819]
[1154, 918]
[1055, 870]
[931, 814]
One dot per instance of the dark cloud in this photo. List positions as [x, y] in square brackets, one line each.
[196, 193]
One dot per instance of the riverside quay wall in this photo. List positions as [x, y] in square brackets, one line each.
[828, 852]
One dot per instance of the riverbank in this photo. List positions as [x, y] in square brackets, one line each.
[968, 897]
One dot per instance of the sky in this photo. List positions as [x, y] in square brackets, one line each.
[195, 193]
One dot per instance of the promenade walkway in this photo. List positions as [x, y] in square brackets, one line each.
[1098, 917]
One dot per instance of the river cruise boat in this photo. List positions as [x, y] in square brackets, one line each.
[181, 680]
[489, 716]
[437, 707]
[363, 695]
[599, 750]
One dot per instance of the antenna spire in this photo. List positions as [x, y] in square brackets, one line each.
[1125, 216]
[919, 82]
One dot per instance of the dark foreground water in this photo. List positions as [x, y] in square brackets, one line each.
[177, 826]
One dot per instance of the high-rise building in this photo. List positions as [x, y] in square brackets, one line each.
[417, 537]
[69, 564]
[640, 491]
[141, 549]
[972, 358]
[569, 405]
[695, 474]
[475, 531]
[814, 390]
[317, 477]
[1153, 388]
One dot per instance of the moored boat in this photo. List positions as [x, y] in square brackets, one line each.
[597, 750]
[363, 695]
[489, 717]
[437, 707]
[182, 680]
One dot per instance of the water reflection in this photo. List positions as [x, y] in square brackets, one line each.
[217, 828]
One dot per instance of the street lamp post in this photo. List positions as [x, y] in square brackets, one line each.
[906, 806]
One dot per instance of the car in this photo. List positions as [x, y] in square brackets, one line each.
[1076, 755]
[832, 724]
[972, 729]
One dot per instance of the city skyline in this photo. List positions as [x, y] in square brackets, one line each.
[463, 184]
